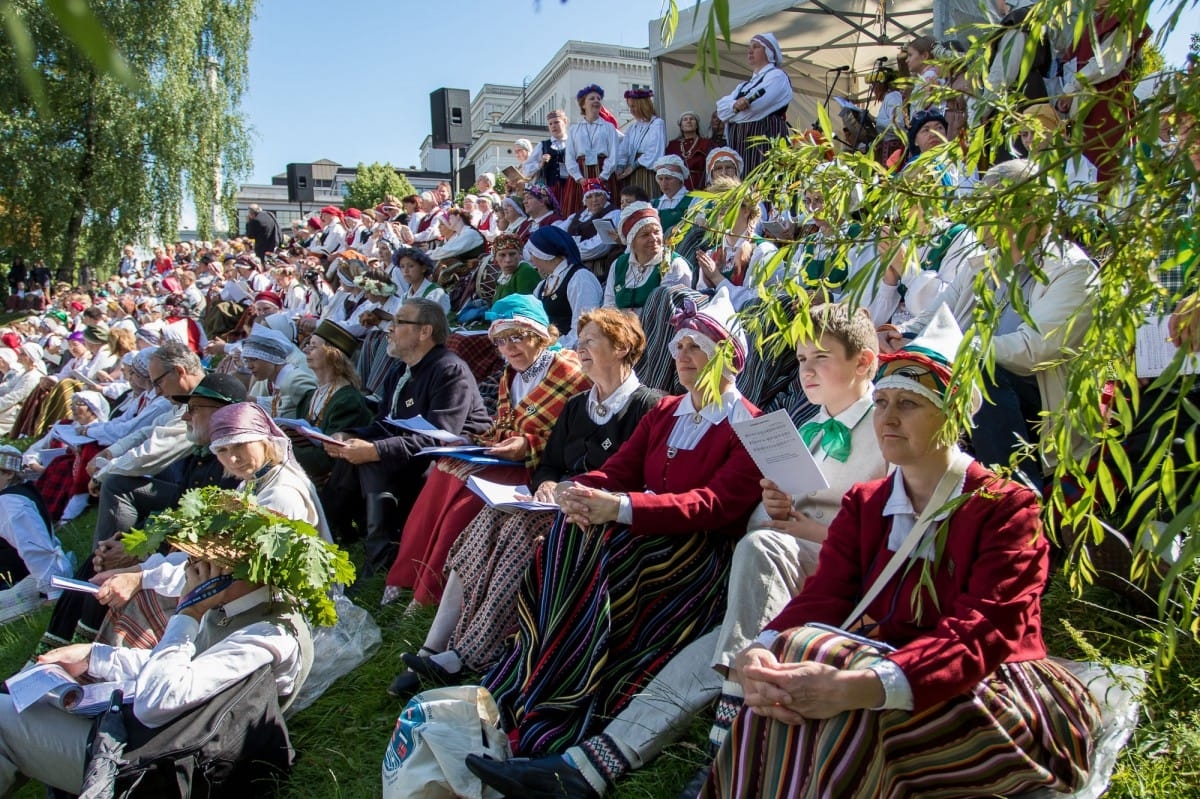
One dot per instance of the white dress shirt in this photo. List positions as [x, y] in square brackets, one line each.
[643, 143]
[583, 292]
[22, 527]
[590, 140]
[777, 93]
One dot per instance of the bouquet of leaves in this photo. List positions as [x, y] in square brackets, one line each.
[227, 527]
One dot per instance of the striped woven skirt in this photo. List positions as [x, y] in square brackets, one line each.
[1027, 726]
[490, 558]
[601, 611]
[644, 179]
[656, 369]
[739, 133]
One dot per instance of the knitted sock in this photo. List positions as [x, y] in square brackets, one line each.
[448, 660]
[600, 761]
[448, 612]
[728, 707]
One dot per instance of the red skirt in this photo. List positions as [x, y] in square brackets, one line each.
[443, 510]
[572, 193]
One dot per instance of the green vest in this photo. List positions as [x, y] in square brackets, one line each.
[825, 272]
[634, 297]
[672, 216]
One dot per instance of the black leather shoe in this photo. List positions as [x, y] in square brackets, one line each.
[544, 778]
[426, 668]
[405, 684]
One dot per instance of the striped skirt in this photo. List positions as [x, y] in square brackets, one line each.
[656, 369]
[644, 179]
[490, 558]
[739, 134]
[141, 623]
[1027, 726]
[601, 612]
[374, 365]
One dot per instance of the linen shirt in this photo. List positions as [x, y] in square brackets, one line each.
[583, 292]
[23, 528]
[589, 141]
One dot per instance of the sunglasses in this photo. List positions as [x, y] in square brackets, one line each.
[513, 339]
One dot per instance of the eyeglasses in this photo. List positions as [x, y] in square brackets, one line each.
[154, 381]
[514, 340]
[406, 322]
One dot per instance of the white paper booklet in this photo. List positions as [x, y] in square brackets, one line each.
[781, 455]
[419, 424]
[1154, 352]
[49, 682]
[509, 498]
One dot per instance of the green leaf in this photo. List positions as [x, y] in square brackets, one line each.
[86, 32]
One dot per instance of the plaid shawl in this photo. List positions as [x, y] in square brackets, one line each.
[541, 407]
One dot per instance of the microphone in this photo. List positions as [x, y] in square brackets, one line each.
[841, 69]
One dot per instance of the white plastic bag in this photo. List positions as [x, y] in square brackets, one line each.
[338, 650]
[426, 756]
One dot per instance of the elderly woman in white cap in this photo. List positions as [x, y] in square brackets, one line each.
[515, 221]
[527, 165]
[63, 481]
[647, 262]
[723, 162]
[758, 106]
[141, 406]
[595, 249]
[28, 547]
[644, 142]
[692, 148]
[671, 174]
[28, 369]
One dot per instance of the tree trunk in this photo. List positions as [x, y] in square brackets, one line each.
[66, 269]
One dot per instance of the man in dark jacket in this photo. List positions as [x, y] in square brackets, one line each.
[262, 227]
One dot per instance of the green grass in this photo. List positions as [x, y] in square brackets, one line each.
[341, 738]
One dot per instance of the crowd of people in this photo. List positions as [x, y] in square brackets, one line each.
[562, 330]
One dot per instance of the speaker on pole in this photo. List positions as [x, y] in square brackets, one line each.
[450, 115]
[300, 183]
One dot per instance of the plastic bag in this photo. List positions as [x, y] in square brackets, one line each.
[426, 756]
[338, 650]
[1117, 690]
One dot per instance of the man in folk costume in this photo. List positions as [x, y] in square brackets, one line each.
[1098, 87]
[332, 238]
[646, 264]
[671, 173]
[547, 161]
[594, 249]
[428, 232]
[280, 385]
[379, 461]
[758, 106]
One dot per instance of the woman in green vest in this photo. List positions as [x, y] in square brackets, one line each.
[516, 276]
[646, 264]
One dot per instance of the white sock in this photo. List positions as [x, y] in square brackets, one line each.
[448, 660]
[448, 612]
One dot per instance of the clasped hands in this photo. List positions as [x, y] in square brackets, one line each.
[794, 692]
[587, 506]
[785, 518]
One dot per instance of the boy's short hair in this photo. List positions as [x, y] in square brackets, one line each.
[854, 330]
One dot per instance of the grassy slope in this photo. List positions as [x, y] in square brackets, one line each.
[341, 738]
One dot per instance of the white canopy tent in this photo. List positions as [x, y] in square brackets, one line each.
[816, 36]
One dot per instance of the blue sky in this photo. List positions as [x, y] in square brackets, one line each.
[352, 83]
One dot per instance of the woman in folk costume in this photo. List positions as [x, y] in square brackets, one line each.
[1098, 87]
[646, 264]
[644, 142]
[596, 251]
[63, 482]
[758, 106]
[957, 697]
[417, 268]
[515, 275]
[692, 148]
[537, 381]
[837, 250]
[337, 403]
[516, 221]
[371, 360]
[568, 288]
[738, 262]
[636, 565]
[671, 175]
[478, 611]
[593, 147]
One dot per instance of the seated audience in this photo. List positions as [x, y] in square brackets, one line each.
[478, 609]
[568, 289]
[63, 481]
[824, 712]
[337, 403]
[28, 547]
[538, 380]
[515, 275]
[647, 262]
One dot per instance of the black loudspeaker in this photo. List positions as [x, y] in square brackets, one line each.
[300, 183]
[450, 115]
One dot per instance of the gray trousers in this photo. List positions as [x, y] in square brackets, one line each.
[768, 569]
[126, 502]
[43, 743]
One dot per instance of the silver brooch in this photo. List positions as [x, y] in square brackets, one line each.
[408, 403]
[672, 452]
[606, 443]
[531, 409]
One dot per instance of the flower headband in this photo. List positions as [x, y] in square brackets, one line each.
[380, 288]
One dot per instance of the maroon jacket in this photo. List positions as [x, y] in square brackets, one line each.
[989, 585]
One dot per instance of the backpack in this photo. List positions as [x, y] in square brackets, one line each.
[234, 745]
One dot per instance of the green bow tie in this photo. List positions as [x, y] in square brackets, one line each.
[835, 437]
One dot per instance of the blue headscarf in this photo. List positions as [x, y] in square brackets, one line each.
[556, 242]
